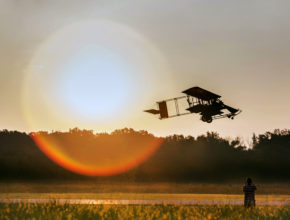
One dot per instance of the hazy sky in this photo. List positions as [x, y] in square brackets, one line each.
[145, 51]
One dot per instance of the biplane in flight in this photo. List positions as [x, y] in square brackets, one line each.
[200, 101]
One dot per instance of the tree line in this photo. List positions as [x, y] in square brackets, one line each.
[208, 157]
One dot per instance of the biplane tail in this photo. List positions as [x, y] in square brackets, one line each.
[162, 110]
[152, 111]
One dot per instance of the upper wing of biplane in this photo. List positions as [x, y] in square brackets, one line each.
[201, 93]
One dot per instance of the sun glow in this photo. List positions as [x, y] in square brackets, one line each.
[95, 84]
[87, 75]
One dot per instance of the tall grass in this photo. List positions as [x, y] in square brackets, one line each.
[69, 211]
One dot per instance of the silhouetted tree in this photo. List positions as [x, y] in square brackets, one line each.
[179, 158]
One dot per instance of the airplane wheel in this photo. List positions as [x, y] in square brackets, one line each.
[209, 120]
[206, 118]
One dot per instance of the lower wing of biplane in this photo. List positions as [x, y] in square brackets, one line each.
[198, 101]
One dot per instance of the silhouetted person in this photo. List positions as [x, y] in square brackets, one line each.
[249, 191]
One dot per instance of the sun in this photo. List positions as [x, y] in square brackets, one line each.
[95, 85]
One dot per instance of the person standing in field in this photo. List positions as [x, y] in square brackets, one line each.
[249, 191]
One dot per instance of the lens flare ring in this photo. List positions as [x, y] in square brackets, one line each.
[51, 100]
[52, 151]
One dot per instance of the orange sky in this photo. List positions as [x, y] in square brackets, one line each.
[98, 64]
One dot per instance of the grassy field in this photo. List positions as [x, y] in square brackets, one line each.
[139, 191]
[141, 196]
[66, 211]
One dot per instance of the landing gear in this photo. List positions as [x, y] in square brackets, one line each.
[206, 118]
